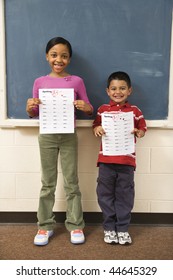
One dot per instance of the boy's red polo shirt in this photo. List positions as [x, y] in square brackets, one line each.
[139, 123]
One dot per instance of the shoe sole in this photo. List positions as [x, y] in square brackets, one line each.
[125, 243]
[111, 242]
[41, 244]
[77, 242]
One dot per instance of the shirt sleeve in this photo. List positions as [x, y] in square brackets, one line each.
[35, 94]
[140, 122]
[82, 93]
[35, 90]
[97, 121]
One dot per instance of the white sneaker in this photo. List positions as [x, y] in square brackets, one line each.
[124, 238]
[42, 237]
[110, 237]
[77, 236]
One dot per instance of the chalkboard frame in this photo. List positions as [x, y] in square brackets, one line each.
[7, 122]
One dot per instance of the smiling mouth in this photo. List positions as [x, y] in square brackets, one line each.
[118, 97]
[58, 66]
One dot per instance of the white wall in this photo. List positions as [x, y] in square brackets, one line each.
[20, 171]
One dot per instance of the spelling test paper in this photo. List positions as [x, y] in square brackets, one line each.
[118, 138]
[56, 111]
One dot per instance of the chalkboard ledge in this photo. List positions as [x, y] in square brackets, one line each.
[14, 123]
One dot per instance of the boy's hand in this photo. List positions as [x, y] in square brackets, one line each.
[99, 131]
[138, 133]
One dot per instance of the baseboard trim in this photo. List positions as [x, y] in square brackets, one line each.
[89, 217]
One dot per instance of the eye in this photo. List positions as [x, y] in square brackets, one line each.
[65, 56]
[122, 88]
[53, 55]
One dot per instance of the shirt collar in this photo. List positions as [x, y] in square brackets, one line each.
[125, 105]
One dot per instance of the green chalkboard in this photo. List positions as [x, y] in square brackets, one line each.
[106, 36]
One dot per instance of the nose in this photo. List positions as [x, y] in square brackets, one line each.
[58, 58]
[118, 90]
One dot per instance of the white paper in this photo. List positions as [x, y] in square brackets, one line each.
[118, 139]
[56, 113]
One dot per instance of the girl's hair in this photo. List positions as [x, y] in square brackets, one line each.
[119, 76]
[58, 40]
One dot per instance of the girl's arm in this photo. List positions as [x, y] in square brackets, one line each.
[32, 106]
[82, 103]
[83, 106]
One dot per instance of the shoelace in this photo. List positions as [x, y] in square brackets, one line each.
[77, 231]
[42, 232]
[112, 233]
[123, 234]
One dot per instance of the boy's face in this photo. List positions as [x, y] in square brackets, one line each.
[118, 91]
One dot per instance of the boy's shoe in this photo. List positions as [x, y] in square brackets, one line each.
[42, 237]
[110, 237]
[124, 238]
[77, 236]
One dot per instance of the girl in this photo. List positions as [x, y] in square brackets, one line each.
[58, 55]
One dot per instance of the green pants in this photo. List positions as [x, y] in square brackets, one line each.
[51, 145]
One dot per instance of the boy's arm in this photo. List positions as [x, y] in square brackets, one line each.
[138, 132]
[98, 131]
[141, 126]
[97, 125]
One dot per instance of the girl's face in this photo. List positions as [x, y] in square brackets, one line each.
[118, 91]
[58, 58]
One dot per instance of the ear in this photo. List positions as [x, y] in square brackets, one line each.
[47, 57]
[107, 90]
[130, 91]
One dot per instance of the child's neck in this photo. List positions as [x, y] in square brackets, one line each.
[59, 75]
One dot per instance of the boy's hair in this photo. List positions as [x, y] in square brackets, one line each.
[119, 76]
[58, 40]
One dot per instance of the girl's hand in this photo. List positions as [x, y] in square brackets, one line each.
[99, 131]
[83, 106]
[31, 104]
[138, 133]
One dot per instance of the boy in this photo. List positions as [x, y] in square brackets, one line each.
[115, 188]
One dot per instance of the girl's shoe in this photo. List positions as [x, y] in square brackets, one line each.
[77, 236]
[42, 237]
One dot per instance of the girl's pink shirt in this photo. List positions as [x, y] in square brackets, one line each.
[71, 81]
